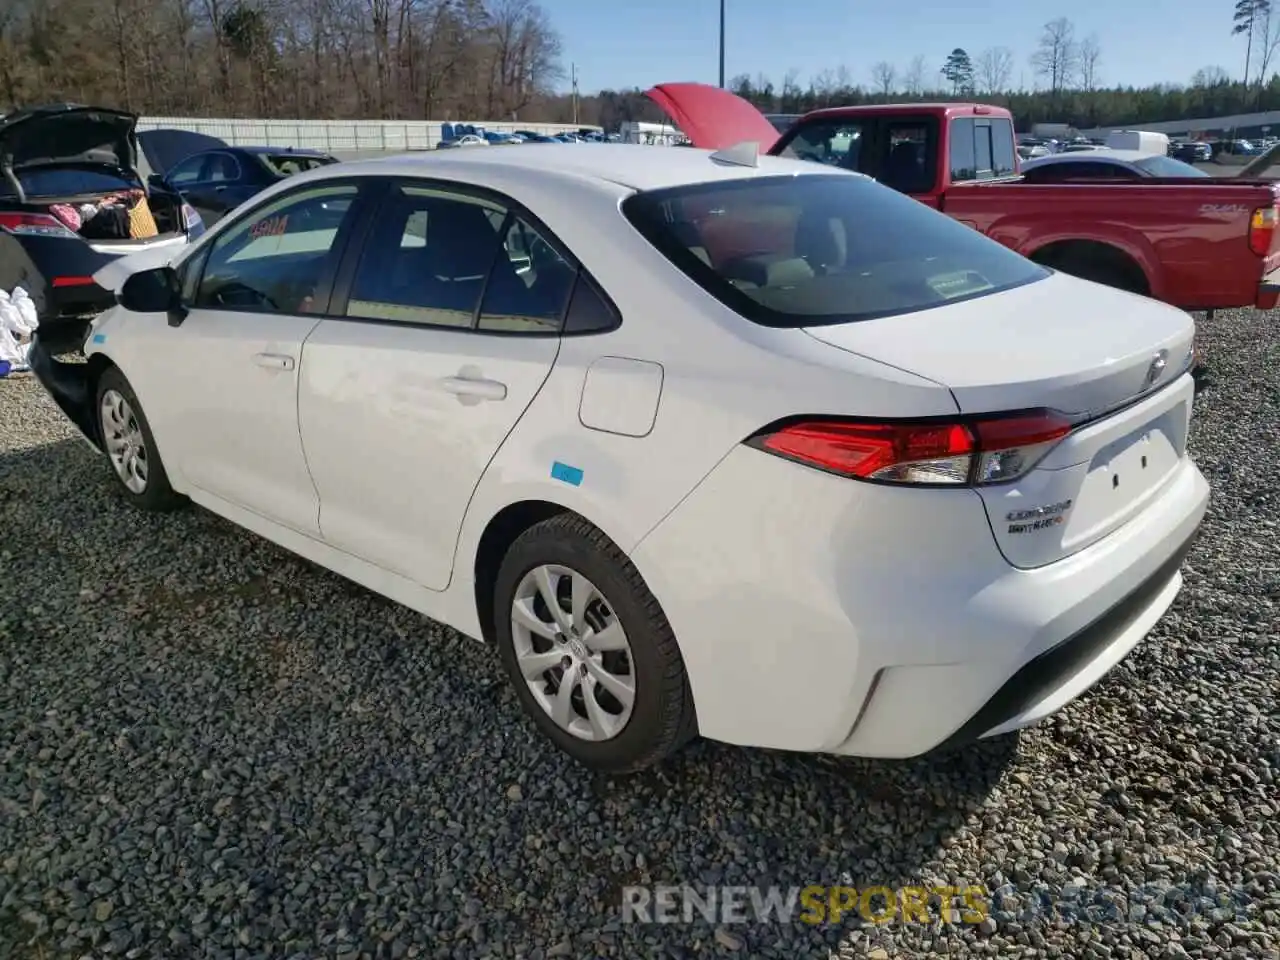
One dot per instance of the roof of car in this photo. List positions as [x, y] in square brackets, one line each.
[282, 151]
[636, 166]
[1121, 156]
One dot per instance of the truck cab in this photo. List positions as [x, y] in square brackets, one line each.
[903, 145]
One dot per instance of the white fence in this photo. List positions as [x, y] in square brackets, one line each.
[337, 136]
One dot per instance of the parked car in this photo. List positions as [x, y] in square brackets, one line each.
[1100, 163]
[705, 454]
[528, 136]
[1198, 243]
[1191, 151]
[466, 140]
[72, 185]
[219, 180]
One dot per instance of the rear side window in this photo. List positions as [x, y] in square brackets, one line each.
[803, 251]
[981, 149]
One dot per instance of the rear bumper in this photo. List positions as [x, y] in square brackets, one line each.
[1053, 679]
[1269, 291]
[820, 614]
[69, 384]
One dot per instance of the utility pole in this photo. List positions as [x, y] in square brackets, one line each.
[573, 79]
[721, 44]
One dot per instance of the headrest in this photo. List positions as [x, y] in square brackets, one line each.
[767, 270]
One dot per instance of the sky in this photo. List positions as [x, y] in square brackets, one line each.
[637, 44]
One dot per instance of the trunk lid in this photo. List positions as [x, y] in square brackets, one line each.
[713, 118]
[1111, 360]
[66, 133]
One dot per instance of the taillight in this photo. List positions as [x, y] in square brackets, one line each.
[35, 225]
[1262, 227]
[953, 453]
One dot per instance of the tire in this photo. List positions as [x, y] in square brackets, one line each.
[660, 718]
[127, 439]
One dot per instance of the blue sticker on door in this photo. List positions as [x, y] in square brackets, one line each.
[566, 474]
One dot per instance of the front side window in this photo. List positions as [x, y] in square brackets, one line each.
[819, 249]
[837, 143]
[278, 259]
[910, 159]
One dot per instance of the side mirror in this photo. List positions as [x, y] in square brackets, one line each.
[154, 291]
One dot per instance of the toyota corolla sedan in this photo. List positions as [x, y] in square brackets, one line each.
[700, 443]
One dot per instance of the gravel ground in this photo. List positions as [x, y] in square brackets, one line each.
[211, 749]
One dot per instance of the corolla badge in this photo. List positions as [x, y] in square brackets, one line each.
[1156, 370]
[1038, 518]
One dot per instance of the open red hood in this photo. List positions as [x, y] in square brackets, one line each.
[712, 118]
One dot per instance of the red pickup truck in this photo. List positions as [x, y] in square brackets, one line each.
[1197, 243]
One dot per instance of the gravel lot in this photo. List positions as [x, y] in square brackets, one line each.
[211, 749]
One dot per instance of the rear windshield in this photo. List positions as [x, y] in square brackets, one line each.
[68, 181]
[1158, 166]
[803, 251]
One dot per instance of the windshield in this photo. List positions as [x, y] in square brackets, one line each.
[1158, 166]
[287, 164]
[802, 251]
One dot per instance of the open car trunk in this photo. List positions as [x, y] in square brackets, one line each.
[79, 165]
[118, 215]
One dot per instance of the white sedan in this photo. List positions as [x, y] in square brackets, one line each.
[709, 444]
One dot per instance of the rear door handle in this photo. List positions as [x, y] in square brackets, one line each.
[479, 389]
[273, 361]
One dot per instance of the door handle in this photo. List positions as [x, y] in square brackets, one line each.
[479, 389]
[273, 361]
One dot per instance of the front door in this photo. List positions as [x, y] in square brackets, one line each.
[233, 363]
[452, 313]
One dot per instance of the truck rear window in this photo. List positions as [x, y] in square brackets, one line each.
[801, 251]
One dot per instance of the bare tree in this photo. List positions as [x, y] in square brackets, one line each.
[823, 86]
[1266, 41]
[993, 68]
[1210, 77]
[789, 94]
[1057, 55]
[843, 80]
[1088, 62]
[883, 75]
[914, 80]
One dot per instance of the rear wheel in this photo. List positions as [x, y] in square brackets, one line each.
[130, 446]
[1101, 264]
[592, 657]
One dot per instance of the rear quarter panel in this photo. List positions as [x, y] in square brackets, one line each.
[1191, 240]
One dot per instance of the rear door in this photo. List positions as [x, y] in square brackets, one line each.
[447, 323]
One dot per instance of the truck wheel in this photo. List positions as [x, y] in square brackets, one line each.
[1101, 264]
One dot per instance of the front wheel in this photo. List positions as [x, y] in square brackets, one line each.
[589, 650]
[130, 446]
